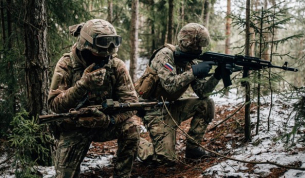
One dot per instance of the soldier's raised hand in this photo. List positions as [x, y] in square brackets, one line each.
[92, 79]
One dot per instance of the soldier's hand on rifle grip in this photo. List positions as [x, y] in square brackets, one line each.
[219, 72]
[92, 79]
[97, 120]
[202, 69]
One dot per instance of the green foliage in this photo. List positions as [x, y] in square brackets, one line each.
[27, 138]
[59, 20]
[268, 26]
[298, 115]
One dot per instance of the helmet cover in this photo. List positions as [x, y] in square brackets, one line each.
[193, 35]
[90, 30]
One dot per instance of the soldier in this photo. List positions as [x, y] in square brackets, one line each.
[175, 75]
[88, 75]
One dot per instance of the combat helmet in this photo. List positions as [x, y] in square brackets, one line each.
[192, 36]
[98, 36]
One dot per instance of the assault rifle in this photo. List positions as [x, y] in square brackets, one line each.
[109, 106]
[238, 62]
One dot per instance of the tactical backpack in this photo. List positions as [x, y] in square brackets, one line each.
[147, 84]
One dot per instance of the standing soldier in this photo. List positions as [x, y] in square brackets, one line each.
[88, 75]
[172, 75]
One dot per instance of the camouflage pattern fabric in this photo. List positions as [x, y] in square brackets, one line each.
[73, 139]
[193, 36]
[162, 128]
[91, 28]
[174, 80]
[74, 142]
[66, 94]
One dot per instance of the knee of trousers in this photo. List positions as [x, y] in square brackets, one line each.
[130, 134]
[206, 110]
[159, 128]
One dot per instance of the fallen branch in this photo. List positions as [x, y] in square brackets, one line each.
[214, 127]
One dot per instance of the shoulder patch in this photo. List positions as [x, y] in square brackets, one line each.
[168, 66]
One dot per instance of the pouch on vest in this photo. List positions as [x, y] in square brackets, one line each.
[147, 83]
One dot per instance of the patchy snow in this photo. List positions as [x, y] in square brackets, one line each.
[266, 146]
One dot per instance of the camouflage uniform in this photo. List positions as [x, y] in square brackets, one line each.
[73, 139]
[174, 81]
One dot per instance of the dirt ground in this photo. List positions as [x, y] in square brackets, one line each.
[214, 139]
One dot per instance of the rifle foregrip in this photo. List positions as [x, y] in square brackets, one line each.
[226, 80]
[225, 76]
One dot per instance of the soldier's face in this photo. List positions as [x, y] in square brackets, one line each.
[104, 52]
[91, 57]
[194, 49]
[100, 54]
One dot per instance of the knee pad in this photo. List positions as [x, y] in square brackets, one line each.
[207, 109]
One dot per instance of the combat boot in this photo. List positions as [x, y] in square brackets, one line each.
[196, 153]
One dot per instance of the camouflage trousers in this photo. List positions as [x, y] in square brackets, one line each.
[73, 144]
[162, 128]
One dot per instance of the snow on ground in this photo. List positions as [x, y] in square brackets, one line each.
[264, 147]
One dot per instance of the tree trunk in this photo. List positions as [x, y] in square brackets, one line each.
[37, 62]
[134, 40]
[10, 67]
[266, 36]
[246, 73]
[170, 21]
[202, 11]
[152, 24]
[254, 7]
[182, 14]
[206, 16]
[110, 11]
[228, 27]
[3, 22]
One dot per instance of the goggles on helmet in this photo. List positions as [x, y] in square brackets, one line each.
[103, 41]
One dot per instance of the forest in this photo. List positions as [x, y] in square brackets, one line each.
[35, 34]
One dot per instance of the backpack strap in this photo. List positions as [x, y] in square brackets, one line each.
[169, 46]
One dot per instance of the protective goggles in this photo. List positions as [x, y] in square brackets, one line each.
[103, 41]
[106, 41]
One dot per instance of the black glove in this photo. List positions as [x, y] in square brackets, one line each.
[202, 69]
[228, 71]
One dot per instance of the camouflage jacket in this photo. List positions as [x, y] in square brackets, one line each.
[65, 95]
[174, 79]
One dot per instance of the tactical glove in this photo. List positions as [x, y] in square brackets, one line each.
[97, 120]
[202, 69]
[228, 71]
[92, 79]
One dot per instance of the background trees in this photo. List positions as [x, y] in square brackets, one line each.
[34, 34]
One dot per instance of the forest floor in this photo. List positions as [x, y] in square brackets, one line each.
[216, 140]
[226, 139]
